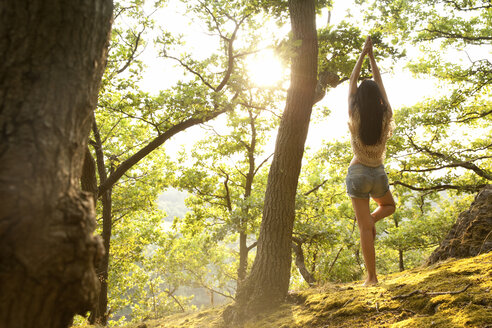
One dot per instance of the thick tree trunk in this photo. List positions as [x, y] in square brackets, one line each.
[52, 55]
[268, 283]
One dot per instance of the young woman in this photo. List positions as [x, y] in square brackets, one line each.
[370, 124]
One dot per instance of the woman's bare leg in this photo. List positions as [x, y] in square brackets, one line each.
[365, 221]
[386, 206]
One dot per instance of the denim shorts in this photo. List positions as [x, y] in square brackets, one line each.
[364, 181]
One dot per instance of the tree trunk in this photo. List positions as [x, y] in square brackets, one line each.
[248, 187]
[401, 261]
[52, 56]
[99, 313]
[301, 265]
[243, 258]
[400, 251]
[268, 283]
[88, 181]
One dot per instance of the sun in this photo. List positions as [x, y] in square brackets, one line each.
[265, 69]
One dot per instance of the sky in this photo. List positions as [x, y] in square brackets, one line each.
[402, 88]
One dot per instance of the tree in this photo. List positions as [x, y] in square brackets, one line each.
[268, 282]
[226, 181]
[124, 109]
[52, 59]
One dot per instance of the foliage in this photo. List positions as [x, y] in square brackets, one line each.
[340, 45]
[226, 179]
[443, 142]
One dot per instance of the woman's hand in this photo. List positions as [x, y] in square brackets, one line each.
[368, 46]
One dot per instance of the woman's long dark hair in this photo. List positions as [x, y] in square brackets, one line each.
[371, 106]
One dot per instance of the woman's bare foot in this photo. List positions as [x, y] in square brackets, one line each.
[370, 282]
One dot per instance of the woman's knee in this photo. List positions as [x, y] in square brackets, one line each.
[390, 208]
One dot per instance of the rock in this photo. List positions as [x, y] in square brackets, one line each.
[471, 234]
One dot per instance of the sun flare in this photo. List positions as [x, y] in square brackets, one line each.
[265, 69]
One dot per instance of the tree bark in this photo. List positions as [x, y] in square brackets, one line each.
[52, 56]
[88, 180]
[268, 283]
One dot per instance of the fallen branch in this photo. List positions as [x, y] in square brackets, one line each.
[407, 295]
[418, 291]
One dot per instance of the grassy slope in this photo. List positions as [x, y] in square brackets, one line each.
[386, 305]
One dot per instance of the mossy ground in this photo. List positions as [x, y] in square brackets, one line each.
[455, 293]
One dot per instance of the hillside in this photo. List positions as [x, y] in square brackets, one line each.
[454, 293]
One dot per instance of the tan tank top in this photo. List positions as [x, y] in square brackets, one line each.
[370, 155]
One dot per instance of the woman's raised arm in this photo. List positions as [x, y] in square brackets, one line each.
[354, 77]
[377, 76]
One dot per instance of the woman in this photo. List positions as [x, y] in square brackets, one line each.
[370, 124]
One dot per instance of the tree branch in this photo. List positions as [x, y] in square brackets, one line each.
[454, 162]
[263, 162]
[191, 70]
[227, 196]
[458, 7]
[171, 294]
[335, 260]
[230, 55]
[326, 79]
[253, 245]
[316, 188]
[159, 140]
[217, 25]
[437, 168]
[470, 188]
[449, 35]
[301, 265]
[132, 55]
